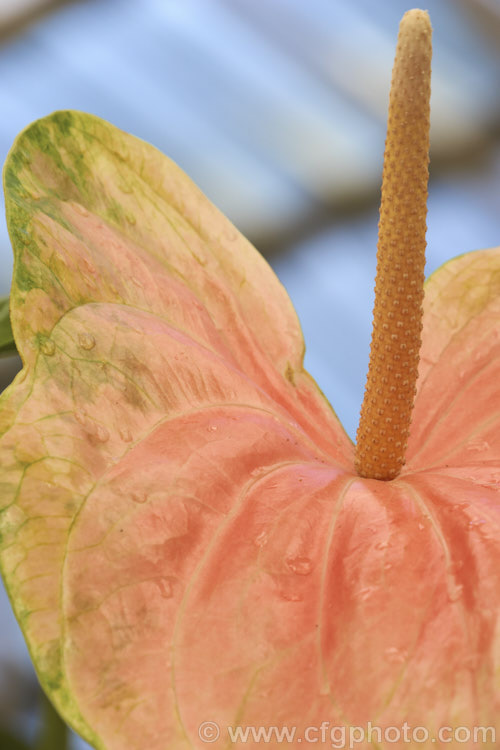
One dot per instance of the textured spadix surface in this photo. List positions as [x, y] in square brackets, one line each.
[184, 537]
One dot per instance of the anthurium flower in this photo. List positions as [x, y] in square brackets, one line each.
[187, 533]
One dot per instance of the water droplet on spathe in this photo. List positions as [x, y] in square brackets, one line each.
[291, 596]
[86, 341]
[81, 416]
[212, 428]
[261, 539]
[102, 434]
[474, 523]
[478, 446]
[382, 545]
[493, 482]
[394, 655]
[324, 689]
[455, 593]
[366, 592]
[124, 186]
[121, 150]
[126, 435]
[80, 209]
[89, 266]
[230, 233]
[48, 347]
[301, 566]
[139, 497]
[165, 588]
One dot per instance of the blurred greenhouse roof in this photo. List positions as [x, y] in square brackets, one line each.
[276, 109]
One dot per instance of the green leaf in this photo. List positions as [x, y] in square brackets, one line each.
[54, 732]
[8, 741]
[7, 344]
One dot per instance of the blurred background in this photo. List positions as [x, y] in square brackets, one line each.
[277, 109]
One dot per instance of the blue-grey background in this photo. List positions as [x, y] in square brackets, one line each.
[277, 110]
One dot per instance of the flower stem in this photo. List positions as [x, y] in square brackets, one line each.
[397, 316]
